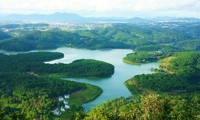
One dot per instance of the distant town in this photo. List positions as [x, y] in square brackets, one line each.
[66, 26]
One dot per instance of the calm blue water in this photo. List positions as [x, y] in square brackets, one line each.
[113, 87]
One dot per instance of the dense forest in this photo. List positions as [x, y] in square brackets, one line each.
[30, 90]
[34, 63]
[25, 96]
[184, 63]
[161, 82]
[147, 107]
[165, 36]
[35, 40]
[180, 74]
[147, 34]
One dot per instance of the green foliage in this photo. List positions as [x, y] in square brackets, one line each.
[35, 40]
[185, 63]
[33, 63]
[136, 36]
[32, 57]
[26, 96]
[141, 37]
[184, 77]
[164, 83]
[150, 107]
[144, 57]
[162, 48]
[90, 68]
[89, 94]
[190, 45]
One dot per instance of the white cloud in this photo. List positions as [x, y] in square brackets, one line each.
[99, 6]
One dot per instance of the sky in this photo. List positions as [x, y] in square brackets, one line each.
[104, 8]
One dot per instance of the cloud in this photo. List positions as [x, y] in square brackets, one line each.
[99, 6]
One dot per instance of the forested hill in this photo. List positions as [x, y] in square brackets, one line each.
[31, 57]
[29, 88]
[25, 96]
[184, 63]
[52, 39]
[33, 62]
[163, 36]
[179, 73]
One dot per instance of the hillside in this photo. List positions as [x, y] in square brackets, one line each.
[30, 89]
[180, 75]
[149, 107]
[163, 37]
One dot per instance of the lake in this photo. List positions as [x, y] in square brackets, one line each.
[113, 87]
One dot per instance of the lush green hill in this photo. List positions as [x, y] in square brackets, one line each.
[179, 74]
[26, 96]
[30, 90]
[33, 63]
[150, 107]
[166, 37]
[156, 37]
[35, 40]
[185, 63]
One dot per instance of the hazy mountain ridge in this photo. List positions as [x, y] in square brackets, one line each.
[72, 17]
[56, 17]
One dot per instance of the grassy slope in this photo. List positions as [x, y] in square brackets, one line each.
[84, 96]
[165, 62]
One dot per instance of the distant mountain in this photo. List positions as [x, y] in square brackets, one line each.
[163, 18]
[72, 17]
[174, 19]
[188, 19]
[67, 17]
[56, 17]
[138, 20]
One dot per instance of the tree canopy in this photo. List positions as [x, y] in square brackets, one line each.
[34, 63]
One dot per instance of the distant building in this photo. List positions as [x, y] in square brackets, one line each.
[65, 102]
[67, 96]
[60, 99]
[56, 112]
[62, 108]
[67, 107]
